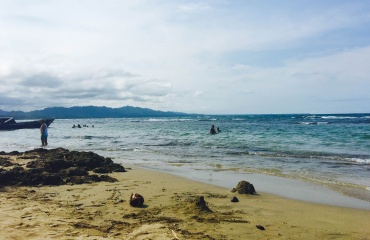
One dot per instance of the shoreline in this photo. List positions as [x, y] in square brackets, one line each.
[280, 186]
[101, 210]
[175, 207]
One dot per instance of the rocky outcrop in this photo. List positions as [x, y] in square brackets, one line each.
[56, 167]
[244, 187]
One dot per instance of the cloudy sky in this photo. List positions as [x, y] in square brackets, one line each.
[214, 57]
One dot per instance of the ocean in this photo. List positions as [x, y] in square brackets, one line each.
[331, 150]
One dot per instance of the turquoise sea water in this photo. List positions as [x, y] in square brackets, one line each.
[330, 150]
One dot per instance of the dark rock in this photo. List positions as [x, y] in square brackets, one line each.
[58, 166]
[136, 200]
[28, 157]
[52, 179]
[37, 150]
[260, 227]
[118, 168]
[244, 187]
[74, 171]
[234, 199]
[33, 164]
[4, 162]
[14, 153]
[114, 167]
[76, 180]
[32, 177]
[101, 178]
[102, 170]
[106, 178]
[9, 177]
[89, 179]
[201, 204]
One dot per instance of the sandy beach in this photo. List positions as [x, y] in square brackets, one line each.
[171, 210]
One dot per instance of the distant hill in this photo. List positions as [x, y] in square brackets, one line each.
[90, 112]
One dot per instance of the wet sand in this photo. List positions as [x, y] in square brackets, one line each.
[102, 211]
[281, 186]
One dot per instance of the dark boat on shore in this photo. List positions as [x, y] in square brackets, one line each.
[8, 123]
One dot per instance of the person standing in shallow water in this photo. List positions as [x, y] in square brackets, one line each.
[212, 131]
[44, 133]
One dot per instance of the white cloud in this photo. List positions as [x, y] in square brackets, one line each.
[194, 7]
[191, 56]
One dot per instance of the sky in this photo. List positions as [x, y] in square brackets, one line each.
[207, 57]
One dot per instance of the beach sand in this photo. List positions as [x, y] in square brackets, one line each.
[102, 211]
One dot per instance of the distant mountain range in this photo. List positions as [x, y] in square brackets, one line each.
[90, 112]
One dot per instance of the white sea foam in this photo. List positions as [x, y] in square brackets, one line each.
[338, 117]
[167, 120]
[359, 160]
[313, 123]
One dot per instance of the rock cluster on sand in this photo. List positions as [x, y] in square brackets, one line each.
[244, 187]
[55, 167]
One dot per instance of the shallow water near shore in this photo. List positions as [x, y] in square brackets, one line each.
[326, 150]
